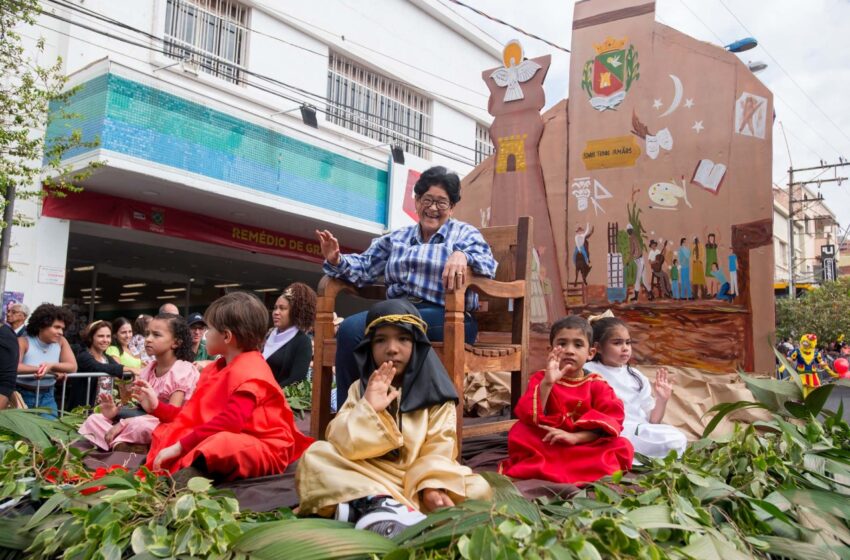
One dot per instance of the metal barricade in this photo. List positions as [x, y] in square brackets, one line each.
[80, 375]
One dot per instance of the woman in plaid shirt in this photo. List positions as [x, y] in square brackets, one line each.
[418, 262]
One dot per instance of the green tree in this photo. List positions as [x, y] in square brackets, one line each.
[824, 311]
[31, 95]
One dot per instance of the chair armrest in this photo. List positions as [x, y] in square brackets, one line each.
[455, 299]
[331, 287]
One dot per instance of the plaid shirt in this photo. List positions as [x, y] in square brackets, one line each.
[413, 268]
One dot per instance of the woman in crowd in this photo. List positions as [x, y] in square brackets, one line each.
[288, 350]
[93, 358]
[418, 262]
[122, 336]
[45, 353]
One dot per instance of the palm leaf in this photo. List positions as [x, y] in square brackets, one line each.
[30, 425]
[725, 409]
[789, 548]
[307, 541]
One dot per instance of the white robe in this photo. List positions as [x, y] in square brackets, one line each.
[652, 440]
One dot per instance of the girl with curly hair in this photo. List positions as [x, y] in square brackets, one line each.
[45, 353]
[288, 349]
[171, 375]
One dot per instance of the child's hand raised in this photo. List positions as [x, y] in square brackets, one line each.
[554, 372]
[144, 393]
[380, 391]
[663, 384]
[107, 406]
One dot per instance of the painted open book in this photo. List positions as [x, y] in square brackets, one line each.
[709, 175]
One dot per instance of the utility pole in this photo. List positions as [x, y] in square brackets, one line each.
[792, 290]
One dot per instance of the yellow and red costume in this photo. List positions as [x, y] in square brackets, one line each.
[807, 359]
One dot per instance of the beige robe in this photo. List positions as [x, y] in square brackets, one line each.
[352, 463]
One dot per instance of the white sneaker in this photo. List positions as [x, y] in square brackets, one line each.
[388, 517]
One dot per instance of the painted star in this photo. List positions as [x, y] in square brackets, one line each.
[689, 103]
[657, 104]
[697, 126]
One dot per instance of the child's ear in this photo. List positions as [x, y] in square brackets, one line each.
[592, 352]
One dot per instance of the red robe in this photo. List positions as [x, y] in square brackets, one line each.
[574, 405]
[269, 440]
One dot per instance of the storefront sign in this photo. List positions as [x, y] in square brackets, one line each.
[113, 211]
[604, 153]
[51, 275]
[827, 257]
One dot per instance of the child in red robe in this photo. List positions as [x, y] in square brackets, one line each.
[238, 423]
[569, 421]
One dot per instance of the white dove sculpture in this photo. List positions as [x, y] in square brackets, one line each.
[515, 72]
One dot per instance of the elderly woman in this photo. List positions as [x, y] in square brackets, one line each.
[418, 262]
[45, 353]
[288, 349]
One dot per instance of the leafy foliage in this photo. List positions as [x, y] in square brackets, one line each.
[822, 311]
[775, 488]
[299, 395]
[26, 99]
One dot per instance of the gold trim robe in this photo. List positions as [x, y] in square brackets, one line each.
[354, 461]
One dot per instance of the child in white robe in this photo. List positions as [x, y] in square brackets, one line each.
[644, 410]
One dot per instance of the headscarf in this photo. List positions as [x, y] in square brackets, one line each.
[425, 382]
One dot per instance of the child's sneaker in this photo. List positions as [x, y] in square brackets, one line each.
[387, 517]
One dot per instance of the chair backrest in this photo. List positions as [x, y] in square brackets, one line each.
[511, 249]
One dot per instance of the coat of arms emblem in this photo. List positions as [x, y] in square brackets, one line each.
[610, 74]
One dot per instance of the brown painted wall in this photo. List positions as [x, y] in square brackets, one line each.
[654, 118]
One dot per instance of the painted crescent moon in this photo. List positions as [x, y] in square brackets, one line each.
[677, 95]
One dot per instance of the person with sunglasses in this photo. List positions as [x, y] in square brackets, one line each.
[418, 262]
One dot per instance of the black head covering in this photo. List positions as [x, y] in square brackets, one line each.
[426, 382]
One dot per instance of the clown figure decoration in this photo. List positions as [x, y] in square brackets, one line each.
[807, 359]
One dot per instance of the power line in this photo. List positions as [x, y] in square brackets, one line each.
[470, 22]
[693, 13]
[261, 76]
[407, 64]
[790, 77]
[506, 24]
[387, 131]
[775, 93]
[396, 135]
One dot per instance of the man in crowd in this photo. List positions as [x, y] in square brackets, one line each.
[169, 308]
[16, 317]
[199, 345]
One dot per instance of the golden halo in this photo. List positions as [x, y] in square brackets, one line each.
[513, 50]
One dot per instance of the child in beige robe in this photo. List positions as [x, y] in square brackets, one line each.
[391, 451]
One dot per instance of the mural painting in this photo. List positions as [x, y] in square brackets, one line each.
[657, 185]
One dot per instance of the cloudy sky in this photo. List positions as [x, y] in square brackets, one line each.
[806, 46]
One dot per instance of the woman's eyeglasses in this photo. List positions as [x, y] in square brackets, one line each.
[440, 203]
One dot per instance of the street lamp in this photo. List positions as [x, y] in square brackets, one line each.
[742, 45]
[756, 66]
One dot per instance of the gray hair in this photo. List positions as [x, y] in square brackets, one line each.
[20, 307]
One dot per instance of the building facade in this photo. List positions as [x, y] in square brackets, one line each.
[230, 131]
[815, 226]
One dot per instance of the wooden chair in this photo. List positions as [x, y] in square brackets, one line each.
[502, 321]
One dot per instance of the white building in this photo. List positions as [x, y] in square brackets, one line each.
[815, 225]
[211, 178]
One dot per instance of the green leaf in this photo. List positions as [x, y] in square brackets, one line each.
[817, 399]
[316, 544]
[788, 548]
[199, 484]
[55, 501]
[821, 500]
[712, 547]
[725, 409]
